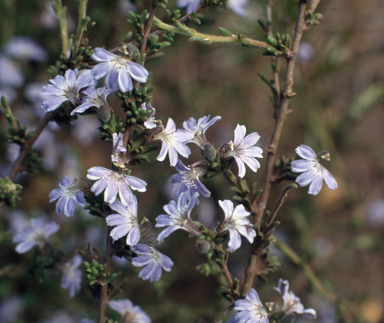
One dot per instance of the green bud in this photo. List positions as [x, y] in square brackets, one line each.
[224, 32]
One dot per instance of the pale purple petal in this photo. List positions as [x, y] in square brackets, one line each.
[306, 152]
[138, 72]
[329, 179]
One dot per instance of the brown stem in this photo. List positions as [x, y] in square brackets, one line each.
[313, 5]
[280, 115]
[24, 149]
[147, 29]
[103, 301]
[280, 201]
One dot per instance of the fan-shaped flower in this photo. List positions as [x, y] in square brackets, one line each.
[35, 234]
[292, 303]
[153, 260]
[119, 70]
[130, 313]
[114, 183]
[243, 150]
[173, 142]
[199, 128]
[65, 88]
[94, 98]
[125, 221]
[249, 310]
[71, 279]
[313, 172]
[237, 224]
[68, 195]
[187, 180]
[178, 217]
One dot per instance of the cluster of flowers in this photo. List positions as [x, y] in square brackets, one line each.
[117, 186]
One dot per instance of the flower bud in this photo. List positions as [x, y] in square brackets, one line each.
[203, 246]
[104, 113]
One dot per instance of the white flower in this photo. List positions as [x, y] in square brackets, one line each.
[153, 260]
[249, 310]
[125, 221]
[119, 70]
[178, 217]
[237, 223]
[173, 142]
[114, 183]
[68, 195]
[199, 128]
[243, 150]
[292, 303]
[35, 234]
[71, 279]
[312, 171]
[65, 88]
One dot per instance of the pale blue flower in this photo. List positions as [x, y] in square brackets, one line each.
[292, 303]
[11, 74]
[244, 151]
[313, 172]
[25, 49]
[178, 217]
[68, 195]
[65, 88]
[173, 142]
[35, 234]
[114, 183]
[125, 221]
[153, 260]
[237, 223]
[199, 128]
[72, 276]
[187, 180]
[119, 70]
[238, 6]
[249, 310]
[190, 4]
[131, 313]
[93, 98]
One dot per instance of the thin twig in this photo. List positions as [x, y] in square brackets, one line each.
[314, 280]
[103, 301]
[281, 114]
[24, 149]
[313, 5]
[61, 13]
[147, 29]
[81, 25]
[279, 203]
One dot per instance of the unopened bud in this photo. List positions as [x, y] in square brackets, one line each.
[203, 246]
[104, 113]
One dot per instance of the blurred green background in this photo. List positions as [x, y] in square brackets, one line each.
[339, 81]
